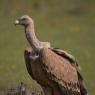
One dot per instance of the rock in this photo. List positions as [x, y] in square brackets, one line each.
[22, 89]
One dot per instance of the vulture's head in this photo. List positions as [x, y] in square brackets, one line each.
[24, 20]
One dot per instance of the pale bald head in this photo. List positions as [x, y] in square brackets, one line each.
[24, 20]
[28, 23]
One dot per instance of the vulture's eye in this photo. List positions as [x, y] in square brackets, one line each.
[24, 19]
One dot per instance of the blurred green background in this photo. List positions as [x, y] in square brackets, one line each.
[67, 24]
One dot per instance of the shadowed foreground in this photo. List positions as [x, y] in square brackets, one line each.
[23, 89]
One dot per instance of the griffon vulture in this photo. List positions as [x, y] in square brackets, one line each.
[54, 69]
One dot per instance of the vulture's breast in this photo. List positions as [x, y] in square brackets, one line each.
[38, 72]
[34, 68]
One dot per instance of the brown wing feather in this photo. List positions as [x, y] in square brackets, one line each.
[75, 64]
[65, 55]
[28, 61]
[59, 70]
[83, 89]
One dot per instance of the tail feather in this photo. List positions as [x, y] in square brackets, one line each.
[82, 85]
[65, 91]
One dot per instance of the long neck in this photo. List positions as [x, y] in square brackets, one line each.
[31, 37]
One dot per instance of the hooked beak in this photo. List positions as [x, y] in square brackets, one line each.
[17, 22]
